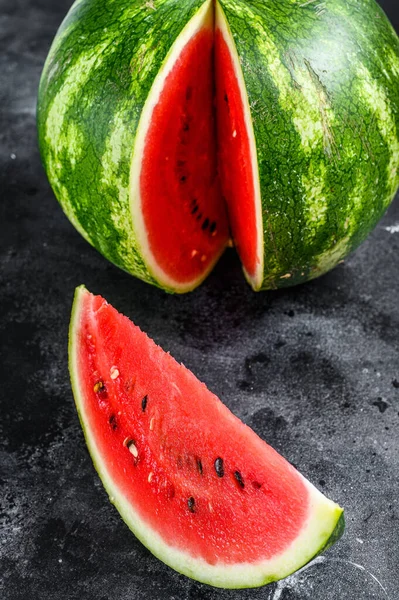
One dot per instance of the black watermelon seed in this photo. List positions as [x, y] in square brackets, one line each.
[112, 422]
[199, 217]
[183, 178]
[226, 98]
[199, 465]
[194, 209]
[256, 485]
[205, 224]
[144, 402]
[219, 467]
[239, 479]
[212, 228]
[191, 504]
[186, 127]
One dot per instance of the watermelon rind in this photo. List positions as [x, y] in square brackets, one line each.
[324, 526]
[322, 81]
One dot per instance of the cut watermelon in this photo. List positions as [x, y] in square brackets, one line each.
[300, 146]
[199, 488]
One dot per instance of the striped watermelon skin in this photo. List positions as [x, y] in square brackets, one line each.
[322, 80]
[96, 79]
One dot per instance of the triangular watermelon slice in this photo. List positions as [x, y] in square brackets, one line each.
[198, 487]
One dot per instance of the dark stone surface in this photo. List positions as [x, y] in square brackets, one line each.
[313, 370]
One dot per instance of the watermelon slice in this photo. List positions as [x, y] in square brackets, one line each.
[198, 487]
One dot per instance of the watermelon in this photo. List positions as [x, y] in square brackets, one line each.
[198, 487]
[168, 127]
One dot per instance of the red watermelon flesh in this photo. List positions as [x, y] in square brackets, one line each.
[194, 483]
[183, 208]
[235, 164]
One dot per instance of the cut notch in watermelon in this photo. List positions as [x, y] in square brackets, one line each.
[192, 165]
[199, 488]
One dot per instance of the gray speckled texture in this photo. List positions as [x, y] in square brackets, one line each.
[313, 370]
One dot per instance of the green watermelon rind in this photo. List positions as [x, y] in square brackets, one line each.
[324, 526]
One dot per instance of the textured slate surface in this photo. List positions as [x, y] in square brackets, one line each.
[314, 370]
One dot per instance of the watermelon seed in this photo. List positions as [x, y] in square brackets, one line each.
[239, 479]
[199, 217]
[98, 386]
[131, 446]
[194, 210]
[112, 422]
[210, 507]
[226, 98]
[203, 258]
[219, 467]
[256, 485]
[194, 253]
[144, 402]
[150, 476]
[205, 224]
[212, 228]
[114, 373]
[186, 126]
[191, 504]
[152, 423]
[234, 133]
[199, 465]
[132, 449]
[183, 178]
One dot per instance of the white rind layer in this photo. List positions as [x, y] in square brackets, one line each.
[322, 520]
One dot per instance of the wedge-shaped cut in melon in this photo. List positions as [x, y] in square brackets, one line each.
[176, 201]
[198, 487]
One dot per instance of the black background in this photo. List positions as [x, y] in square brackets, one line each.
[313, 370]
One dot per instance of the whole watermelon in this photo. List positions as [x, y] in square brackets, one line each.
[321, 82]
